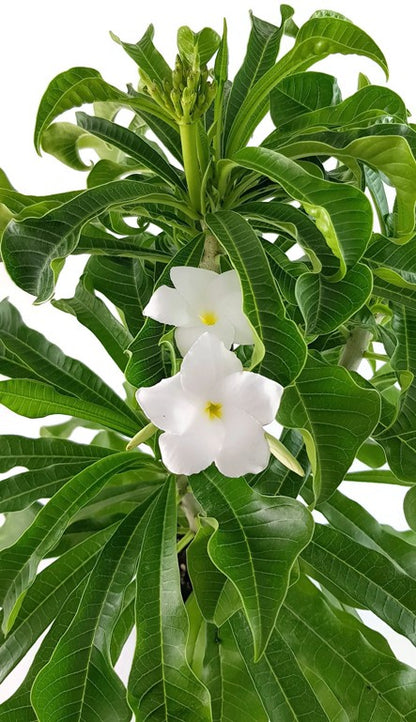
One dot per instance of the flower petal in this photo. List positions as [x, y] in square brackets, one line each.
[167, 405]
[185, 337]
[192, 284]
[194, 450]
[168, 306]
[227, 300]
[253, 393]
[245, 449]
[205, 365]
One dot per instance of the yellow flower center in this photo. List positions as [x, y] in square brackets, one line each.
[209, 318]
[214, 411]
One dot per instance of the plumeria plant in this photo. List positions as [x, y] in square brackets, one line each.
[234, 285]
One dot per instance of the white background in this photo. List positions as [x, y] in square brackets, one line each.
[44, 38]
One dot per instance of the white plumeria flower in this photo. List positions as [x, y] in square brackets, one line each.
[212, 411]
[202, 301]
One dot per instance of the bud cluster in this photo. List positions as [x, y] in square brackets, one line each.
[189, 93]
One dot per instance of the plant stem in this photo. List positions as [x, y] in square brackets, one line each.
[184, 541]
[191, 508]
[188, 133]
[355, 348]
[211, 258]
[376, 356]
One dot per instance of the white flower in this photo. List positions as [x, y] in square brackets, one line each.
[201, 301]
[212, 411]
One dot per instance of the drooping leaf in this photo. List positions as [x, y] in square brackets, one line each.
[82, 653]
[161, 683]
[335, 413]
[255, 534]
[55, 235]
[342, 212]
[335, 645]
[392, 263]
[364, 575]
[20, 561]
[325, 306]
[134, 145]
[278, 677]
[280, 350]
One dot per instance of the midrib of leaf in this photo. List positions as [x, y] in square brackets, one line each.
[326, 642]
[363, 576]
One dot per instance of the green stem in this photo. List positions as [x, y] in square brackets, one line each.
[184, 541]
[188, 133]
[376, 356]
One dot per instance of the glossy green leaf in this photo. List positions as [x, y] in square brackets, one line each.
[55, 235]
[336, 412]
[278, 677]
[79, 85]
[51, 463]
[35, 400]
[233, 693]
[280, 350]
[384, 149]
[392, 263]
[161, 683]
[48, 364]
[342, 212]
[134, 145]
[316, 39]
[82, 653]
[46, 597]
[20, 561]
[203, 44]
[147, 56]
[145, 366]
[364, 575]
[64, 141]
[367, 682]
[263, 46]
[302, 94]
[92, 312]
[325, 306]
[255, 534]
[216, 596]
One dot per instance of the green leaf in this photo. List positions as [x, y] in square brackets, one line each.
[393, 263]
[82, 653]
[216, 596]
[18, 707]
[380, 476]
[48, 364]
[316, 39]
[232, 691]
[255, 545]
[125, 282]
[369, 578]
[342, 212]
[352, 519]
[379, 147]
[325, 306]
[46, 597]
[280, 350]
[263, 46]
[409, 508]
[367, 682]
[147, 56]
[161, 683]
[145, 366]
[35, 400]
[293, 108]
[19, 562]
[51, 463]
[134, 145]
[92, 312]
[202, 44]
[279, 679]
[56, 235]
[336, 412]
[65, 140]
[302, 94]
[77, 86]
